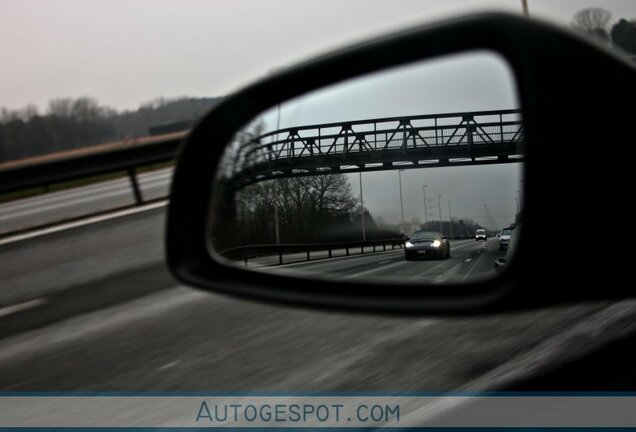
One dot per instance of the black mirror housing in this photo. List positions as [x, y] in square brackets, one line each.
[567, 116]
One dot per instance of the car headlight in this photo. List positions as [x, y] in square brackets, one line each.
[408, 244]
[436, 243]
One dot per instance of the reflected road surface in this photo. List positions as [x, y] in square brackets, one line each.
[469, 261]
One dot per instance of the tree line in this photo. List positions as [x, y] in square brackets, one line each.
[596, 23]
[316, 209]
[313, 209]
[69, 123]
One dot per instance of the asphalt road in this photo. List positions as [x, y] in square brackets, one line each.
[100, 312]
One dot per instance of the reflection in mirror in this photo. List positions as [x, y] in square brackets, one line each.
[404, 176]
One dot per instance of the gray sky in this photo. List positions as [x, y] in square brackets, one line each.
[476, 81]
[125, 52]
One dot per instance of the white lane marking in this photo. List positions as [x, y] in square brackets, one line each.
[475, 265]
[9, 310]
[444, 275]
[169, 365]
[83, 222]
[373, 270]
[383, 262]
[428, 272]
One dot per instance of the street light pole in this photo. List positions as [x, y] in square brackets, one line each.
[450, 219]
[276, 222]
[276, 188]
[401, 202]
[277, 230]
[524, 7]
[425, 210]
[364, 234]
[439, 207]
[485, 216]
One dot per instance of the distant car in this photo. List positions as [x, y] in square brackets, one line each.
[504, 238]
[424, 244]
[480, 234]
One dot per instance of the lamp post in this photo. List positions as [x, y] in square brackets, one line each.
[276, 223]
[277, 229]
[439, 207]
[425, 210]
[364, 234]
[450, 219]
[401, 202]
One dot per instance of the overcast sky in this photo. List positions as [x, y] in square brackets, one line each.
[126, 52]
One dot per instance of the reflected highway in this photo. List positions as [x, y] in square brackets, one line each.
[94, 308]
[469, 260]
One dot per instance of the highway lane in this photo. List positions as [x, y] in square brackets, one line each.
[85, 200]
[469, 261]
[175, 338]
[181, 339]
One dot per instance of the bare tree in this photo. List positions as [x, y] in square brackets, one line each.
[61, 107]
[309, 209]
[332, 193]
[593, 22]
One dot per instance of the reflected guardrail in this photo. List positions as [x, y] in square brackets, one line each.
[244, 253]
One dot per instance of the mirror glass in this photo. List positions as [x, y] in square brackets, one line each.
[410, 175]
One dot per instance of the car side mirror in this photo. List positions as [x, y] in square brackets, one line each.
[239, 175]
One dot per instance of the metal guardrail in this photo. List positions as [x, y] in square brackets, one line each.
[103, 159]
[244, 253]
[92, 161]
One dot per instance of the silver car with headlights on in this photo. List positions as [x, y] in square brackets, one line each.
[426, 244]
